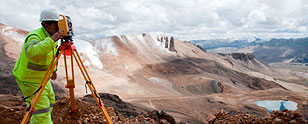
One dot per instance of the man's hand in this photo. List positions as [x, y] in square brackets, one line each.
[55, 37]
[54, 76]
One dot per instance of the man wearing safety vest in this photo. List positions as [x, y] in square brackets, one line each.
[38, 50]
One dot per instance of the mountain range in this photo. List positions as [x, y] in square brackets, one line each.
[269, 51]
[159, 72]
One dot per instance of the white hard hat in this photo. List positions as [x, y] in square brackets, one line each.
[49, 15]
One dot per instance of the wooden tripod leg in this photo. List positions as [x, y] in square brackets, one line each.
[88, 80]
[70, 84]
[43, 83]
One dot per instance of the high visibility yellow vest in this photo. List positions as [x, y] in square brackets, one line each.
[37, 53]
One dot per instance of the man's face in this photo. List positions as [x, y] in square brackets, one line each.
[52, 28]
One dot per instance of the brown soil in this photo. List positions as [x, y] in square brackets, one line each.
[87, 113]
[11, 112]
[276, 117]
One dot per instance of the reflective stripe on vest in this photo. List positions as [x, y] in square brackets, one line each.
[41, 111]
[30, 43]
[37, 67]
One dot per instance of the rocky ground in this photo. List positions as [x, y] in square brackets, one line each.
[275, 117]
[11, 111]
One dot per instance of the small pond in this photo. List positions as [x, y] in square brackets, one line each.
[271, 105]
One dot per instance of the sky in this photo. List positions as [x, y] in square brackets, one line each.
[183, 19]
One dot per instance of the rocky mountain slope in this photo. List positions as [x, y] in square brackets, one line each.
[7, 84]
[157, 72]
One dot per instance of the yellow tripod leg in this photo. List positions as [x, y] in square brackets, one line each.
[42, 86]
[70, 84]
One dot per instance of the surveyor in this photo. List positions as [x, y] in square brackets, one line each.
[38, 50]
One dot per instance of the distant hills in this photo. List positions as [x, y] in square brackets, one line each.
[283, 50]
[274, 50]
[218, 43]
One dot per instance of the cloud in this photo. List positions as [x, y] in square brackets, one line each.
[184, 19]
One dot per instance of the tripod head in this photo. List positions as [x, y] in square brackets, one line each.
[66, 28]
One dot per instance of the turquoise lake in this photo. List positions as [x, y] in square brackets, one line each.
[271, 105]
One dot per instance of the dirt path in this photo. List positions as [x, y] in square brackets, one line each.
[149, 100]
[161, 98]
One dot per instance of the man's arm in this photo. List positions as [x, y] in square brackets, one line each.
[36, 50]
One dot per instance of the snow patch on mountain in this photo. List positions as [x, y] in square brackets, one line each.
[88, 49]
[148, 41]
[106, 46]
[156, 36]
[13, 34]
[121, 38]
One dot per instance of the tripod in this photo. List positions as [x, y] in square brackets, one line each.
[67, 48]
